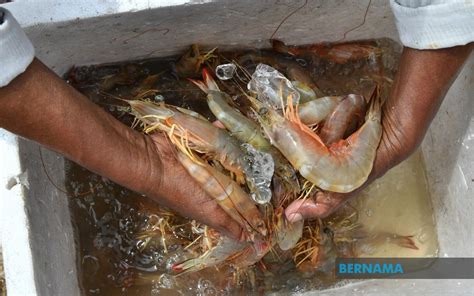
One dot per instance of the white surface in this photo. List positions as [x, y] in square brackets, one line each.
[17, 254]
[16, 50]
[434, 24]
[98, 31]
[40, 12]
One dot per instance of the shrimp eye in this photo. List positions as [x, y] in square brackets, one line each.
[263, 111]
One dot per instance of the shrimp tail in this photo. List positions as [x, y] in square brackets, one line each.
[405, 242]
[208, 83]
[187, 266]
[376, 102]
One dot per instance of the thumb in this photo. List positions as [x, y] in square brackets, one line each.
[321, 206]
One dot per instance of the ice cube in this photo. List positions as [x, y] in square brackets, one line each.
[226, 71]
[269, 84]
[258, 168]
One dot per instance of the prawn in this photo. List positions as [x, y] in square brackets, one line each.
[317, 250]
[244, 254]
[344, 119]
[315, 111]
[202, 135]
[338, 53]
[340, 167]
[244, 129]
[190, 63]
[227, 193]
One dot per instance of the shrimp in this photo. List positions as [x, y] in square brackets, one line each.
[356, 241]
[237, 254]
[213, 256]
[203, 136]
[315, 111]
[338, 53]
[352, 239]
[190, 63]
[227, 193]
[340, 167]
[147, 84]
[245, 129]
[287, 234]
[126, 76]
[317, 250]
[344, 119]
[244, 254]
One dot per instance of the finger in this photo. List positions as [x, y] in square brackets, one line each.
[218, 219]
[322, 206]
[183, 194]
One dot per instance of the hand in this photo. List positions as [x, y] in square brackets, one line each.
[40, 106]
[423, 78]
[175, 189]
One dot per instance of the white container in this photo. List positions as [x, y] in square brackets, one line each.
[37, 237]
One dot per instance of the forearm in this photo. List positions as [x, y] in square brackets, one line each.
[423, 78]
[39, 106]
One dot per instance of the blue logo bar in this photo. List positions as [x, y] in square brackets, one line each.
[405, 268]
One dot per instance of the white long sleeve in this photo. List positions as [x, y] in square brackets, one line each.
[16, 50]
[431, 24]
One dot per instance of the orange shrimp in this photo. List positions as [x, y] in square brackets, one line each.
[339, 53]
[340, 167]
[344, 119]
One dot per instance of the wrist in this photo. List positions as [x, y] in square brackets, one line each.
[149, 169]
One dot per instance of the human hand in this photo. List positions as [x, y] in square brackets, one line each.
[176, 189]
[40, 106]
[423, 78]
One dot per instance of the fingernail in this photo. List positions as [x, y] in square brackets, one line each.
[295, 217]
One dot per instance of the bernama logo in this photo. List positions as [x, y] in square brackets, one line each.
[370, 268]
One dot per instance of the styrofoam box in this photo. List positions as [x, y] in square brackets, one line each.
[37, 235]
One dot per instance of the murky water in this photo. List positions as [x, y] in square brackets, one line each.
[395, 212]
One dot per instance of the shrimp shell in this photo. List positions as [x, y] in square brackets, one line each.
[341, 167]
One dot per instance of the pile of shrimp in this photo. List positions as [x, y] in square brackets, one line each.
[317, 142]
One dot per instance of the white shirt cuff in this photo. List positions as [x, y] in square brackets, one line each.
[432, 24]
[16, 50]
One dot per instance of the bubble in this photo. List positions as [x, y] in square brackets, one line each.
[369, 212]
[205, 288]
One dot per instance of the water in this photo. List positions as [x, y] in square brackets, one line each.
[116, 259]
[400, 203]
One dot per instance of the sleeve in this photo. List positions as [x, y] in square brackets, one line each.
[432, 24]
[16, 50]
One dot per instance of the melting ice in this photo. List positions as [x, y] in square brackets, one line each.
[258, 170]
[268, 84]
